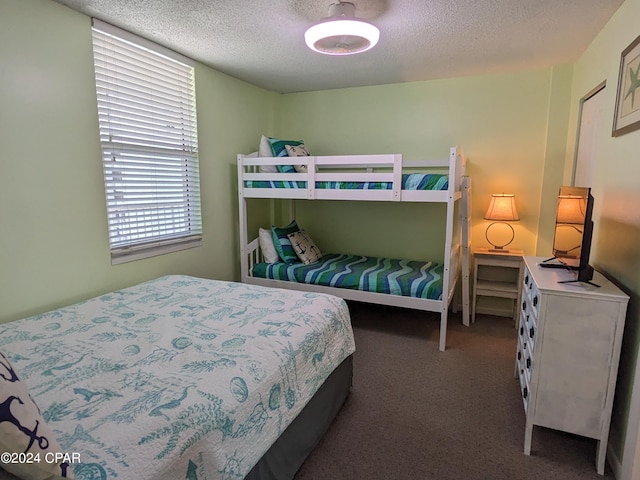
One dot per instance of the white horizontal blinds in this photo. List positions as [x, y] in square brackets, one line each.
[148, 133]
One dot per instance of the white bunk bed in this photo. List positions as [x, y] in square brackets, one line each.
[318, 183]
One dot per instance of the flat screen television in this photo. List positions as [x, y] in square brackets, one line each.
[573, 232]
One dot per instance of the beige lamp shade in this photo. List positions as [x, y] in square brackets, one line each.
[571, 209]
[502, 208]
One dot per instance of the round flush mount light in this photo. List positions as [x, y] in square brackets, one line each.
[341, 33]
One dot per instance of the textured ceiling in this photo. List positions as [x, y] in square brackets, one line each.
[262, 41]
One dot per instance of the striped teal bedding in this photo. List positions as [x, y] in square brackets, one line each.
[410, 181]
[382, 275]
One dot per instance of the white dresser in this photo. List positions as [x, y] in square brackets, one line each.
[569, 338]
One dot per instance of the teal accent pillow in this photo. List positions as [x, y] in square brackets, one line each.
[279, 147]
[286, 168]
[282, 243]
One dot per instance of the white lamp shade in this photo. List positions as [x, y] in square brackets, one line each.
[502, 208]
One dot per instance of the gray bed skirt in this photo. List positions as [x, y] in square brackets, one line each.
[286, 455]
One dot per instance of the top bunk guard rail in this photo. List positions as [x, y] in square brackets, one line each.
[362, 168]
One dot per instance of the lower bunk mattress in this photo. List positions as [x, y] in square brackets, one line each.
[180, 377]
[408, 278]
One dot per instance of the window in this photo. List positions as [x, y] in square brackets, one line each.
[148, 135]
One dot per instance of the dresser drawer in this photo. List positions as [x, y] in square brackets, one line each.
[523, 333]
[525, 359]
[531, 330]
[530, 293]
[527, 280]
[525, 381]
[528, 326]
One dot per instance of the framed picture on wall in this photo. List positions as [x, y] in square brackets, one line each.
[627, 113]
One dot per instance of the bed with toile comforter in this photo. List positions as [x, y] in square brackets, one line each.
[178, 377]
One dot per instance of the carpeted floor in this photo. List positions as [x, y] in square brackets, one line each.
[417, 413]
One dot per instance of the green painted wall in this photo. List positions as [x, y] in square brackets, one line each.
[616, 189]
[53, 230]
[517, 129]
[504, 123]
[53, 222]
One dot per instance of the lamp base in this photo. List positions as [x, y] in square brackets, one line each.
[499, 248]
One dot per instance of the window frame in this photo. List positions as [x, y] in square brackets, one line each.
[157, 175]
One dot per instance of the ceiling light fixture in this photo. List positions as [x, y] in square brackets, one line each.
[341, 33]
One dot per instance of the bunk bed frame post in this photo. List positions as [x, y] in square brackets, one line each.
[397, 177]
[242, 214]
[444, 309]
[459, 189]
[466, 248]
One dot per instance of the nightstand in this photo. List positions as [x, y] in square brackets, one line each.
[499, 275]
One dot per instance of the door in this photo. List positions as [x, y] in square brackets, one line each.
[591, 117]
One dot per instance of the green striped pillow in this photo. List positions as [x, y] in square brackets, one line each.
[282, 243]
[279, 147]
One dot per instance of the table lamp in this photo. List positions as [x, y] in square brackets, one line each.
[502, 209]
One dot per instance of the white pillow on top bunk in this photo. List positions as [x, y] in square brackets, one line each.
[265, 151]
[305, 248]
[266, 246]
